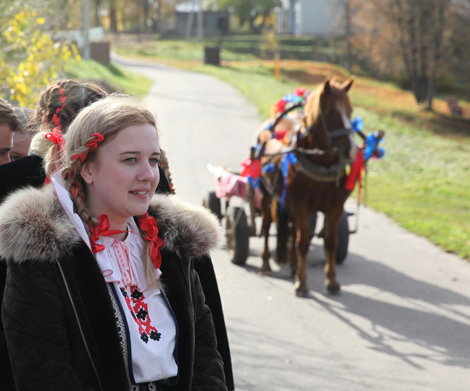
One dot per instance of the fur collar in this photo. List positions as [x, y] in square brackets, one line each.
[34, 226]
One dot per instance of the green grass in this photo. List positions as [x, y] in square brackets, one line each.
[114, 76]
[422, 182]
[178, 50]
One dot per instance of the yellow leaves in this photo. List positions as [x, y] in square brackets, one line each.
[32, 59]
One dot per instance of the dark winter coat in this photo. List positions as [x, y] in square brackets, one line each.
[57, 313]
[28, 171]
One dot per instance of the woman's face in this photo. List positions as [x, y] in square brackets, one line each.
[123, 175]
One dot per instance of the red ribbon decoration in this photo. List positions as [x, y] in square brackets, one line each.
[56, 138]
[251, 168]
[355, 174]
[92, 144]
[300, 91]
[281, 106]
[56, 119]
[148, 224]
[102, 229]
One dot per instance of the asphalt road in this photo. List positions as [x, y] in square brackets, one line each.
[402, 321]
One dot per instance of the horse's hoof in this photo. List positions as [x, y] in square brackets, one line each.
[301, 293]
[281, 262]
[265, 270]
[332, 287]
[301, 290]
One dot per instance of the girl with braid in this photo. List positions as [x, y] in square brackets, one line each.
[101, 292]
[58, 104]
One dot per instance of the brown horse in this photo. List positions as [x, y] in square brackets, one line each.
[315, 182]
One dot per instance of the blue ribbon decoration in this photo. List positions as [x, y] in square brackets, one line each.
[253, 182]
[269, 167]
[357, 124]
[371, 143]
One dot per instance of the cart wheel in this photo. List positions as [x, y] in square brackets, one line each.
[237, 235]
[213, 204]
[343, 239]
[312, 223]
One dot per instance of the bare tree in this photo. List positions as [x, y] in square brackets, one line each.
[413, 31]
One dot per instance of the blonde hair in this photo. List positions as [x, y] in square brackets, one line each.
[107, 117]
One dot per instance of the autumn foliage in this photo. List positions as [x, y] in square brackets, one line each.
[30, 58]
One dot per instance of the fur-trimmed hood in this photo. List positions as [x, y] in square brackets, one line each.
[34, 226]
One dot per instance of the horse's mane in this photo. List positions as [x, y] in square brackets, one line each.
[312, 106]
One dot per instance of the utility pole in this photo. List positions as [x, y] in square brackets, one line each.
[200, 23]
[189, 23]
[86, 29]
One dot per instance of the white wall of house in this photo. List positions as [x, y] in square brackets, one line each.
[309, 17]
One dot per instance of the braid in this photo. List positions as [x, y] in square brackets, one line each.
[149, 268]
[76, 187]
[164, 163]
[52, 159]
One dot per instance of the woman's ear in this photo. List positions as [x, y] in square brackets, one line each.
[87, 172]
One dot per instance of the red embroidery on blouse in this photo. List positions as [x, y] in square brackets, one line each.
[139, 311]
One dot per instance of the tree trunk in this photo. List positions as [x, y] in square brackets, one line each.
[348, 34]
[112, 17]
[436, 52]
[145, 11]
[406, 34]
[96, 11]
[424, 18]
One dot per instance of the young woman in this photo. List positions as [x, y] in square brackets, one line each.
[101, 293]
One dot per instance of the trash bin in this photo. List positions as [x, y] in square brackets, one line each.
[211, 55]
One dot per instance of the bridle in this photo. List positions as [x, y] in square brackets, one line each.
[330, 134]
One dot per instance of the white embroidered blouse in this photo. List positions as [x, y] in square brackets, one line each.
[151, 328]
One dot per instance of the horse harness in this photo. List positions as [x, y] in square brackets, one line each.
[316, 172]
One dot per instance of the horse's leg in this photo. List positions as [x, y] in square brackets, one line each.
[292, 250]
[266, 224]
[251, 199]
[330, 244]
[302, 243]
[282, 236]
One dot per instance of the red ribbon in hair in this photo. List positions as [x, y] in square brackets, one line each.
[56, 137]
[102, 229]
[92, 144]
[148, 224]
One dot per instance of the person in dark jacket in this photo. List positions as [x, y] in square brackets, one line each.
[8, 124]
[101, 292]
[58, 104]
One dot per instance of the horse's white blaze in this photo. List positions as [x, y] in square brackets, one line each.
[347, 125]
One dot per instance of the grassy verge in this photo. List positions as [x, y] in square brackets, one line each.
[114, 77]
[422, 182]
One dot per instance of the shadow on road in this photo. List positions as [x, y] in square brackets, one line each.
[400, 308]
